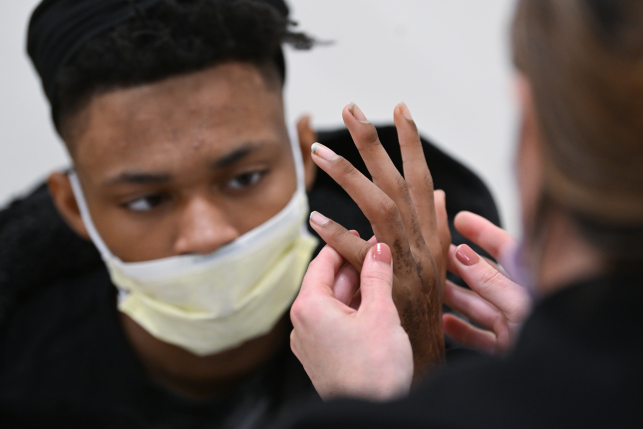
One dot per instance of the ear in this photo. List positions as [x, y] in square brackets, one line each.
[65, 201]
[307, 136]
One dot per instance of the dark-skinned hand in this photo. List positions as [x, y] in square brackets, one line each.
[406, 214]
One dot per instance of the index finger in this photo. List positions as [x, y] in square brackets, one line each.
[380, 210]
[489, 283]
[493, 239]
[349, 246]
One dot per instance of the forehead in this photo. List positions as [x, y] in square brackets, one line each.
[212, 110]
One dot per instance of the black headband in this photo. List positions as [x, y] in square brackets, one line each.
[58, 29]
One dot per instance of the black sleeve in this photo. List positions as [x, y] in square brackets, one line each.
[38, 248]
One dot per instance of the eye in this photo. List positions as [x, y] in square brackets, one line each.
[245, 180]
[146, 203]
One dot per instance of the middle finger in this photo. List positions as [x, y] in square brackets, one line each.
[385, 175]
[379, 209]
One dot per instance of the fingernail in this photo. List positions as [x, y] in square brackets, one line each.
[382, 253]
[323, 152]
[466, 255]
[405, 111]
[318, 219]
[357, 113]
[439, 193]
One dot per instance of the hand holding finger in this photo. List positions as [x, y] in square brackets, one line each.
[380, 210]
[346, 284]
[347, 244]
[326, 335]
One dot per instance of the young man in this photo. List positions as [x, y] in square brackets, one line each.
[185, 180]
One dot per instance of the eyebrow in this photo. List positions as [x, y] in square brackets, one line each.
[232, 157]
[141, 178]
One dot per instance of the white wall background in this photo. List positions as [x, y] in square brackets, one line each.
[447, 59]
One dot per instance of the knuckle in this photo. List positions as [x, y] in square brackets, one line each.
[311, 267]
[297, 312]
[412, 141]
[377, 277]
[427, 179]
[340, 234]
[401, 186]
[369, 136]
[490, 277]
[388, 209]
[521, 308]
[293, 343]
[363, 252]
[424, 184]
[346, 169]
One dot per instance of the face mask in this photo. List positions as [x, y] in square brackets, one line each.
[210, 303]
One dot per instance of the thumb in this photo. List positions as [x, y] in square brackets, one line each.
[377, 275]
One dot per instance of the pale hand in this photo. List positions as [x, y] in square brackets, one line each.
[352, 352]
[497, 304]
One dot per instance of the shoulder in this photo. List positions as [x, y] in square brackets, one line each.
[38, 249]
[54, 312]
[50, 339]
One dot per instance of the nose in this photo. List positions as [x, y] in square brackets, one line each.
[203, 228]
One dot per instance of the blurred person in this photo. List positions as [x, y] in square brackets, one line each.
[575, 360]
[149, 285]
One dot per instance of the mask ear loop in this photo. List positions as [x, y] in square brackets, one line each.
[91, 229]
[298, 158]
[300, 171]
[86, 216]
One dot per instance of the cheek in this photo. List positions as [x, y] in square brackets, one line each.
[257, 208]
[134, 238]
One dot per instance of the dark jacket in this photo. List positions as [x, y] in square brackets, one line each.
[63, 356]
[577, 364]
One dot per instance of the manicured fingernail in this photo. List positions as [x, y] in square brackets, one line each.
[466, 255]
[318, 219]
[323, 152]
[382, 253]
[357, 113]
[405, 111]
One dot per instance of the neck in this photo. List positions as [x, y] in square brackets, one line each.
[202, 376]
[567, 257]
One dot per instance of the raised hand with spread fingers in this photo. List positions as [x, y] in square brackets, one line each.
[407, 215]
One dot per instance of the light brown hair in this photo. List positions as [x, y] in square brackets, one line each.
[584, 61]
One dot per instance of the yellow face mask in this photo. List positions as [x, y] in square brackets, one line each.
[210, 303]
